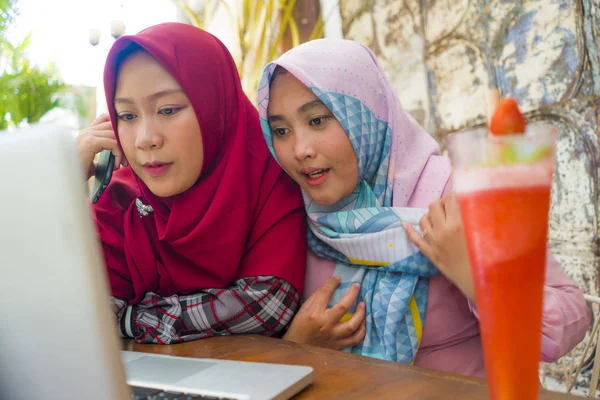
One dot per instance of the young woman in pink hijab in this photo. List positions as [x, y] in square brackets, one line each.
[370, 175]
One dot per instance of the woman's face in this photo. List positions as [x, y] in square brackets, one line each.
[158, 128]
[309, 141]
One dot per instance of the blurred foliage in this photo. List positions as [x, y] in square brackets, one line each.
[27, 92]
[260, 28]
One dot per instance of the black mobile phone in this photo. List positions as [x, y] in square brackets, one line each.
[104, 171]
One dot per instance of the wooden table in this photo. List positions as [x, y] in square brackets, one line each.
[337, 375]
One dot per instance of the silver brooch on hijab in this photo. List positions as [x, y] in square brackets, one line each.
[143, 209]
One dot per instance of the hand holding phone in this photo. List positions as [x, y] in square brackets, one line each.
[104, 171]
[99, 138]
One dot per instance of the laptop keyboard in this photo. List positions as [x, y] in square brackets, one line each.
[142, 393]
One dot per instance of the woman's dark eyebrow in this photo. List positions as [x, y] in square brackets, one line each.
[308, 106]
[302, 109]
[151, 97]
[273, 118]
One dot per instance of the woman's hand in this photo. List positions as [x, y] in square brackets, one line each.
[443, 242]
[316, 325]
[91, 141]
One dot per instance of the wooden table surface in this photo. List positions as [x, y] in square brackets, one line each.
[337, 375]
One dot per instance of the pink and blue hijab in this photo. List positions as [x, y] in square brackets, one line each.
[400, 172]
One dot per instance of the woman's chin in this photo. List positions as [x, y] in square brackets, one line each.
[165, 189]
[324, 199]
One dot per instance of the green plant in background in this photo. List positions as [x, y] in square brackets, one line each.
[260, 28]
[27, 92]
[7, 14]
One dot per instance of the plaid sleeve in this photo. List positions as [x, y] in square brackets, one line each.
[258, 305]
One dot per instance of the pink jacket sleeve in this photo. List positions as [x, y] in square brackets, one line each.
[565, 317]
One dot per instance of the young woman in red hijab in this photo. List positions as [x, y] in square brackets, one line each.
[203, 233]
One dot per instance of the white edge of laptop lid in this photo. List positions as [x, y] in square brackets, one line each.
[58, 335]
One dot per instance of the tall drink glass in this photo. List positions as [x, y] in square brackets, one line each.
[503, 188]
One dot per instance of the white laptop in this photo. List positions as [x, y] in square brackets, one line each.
[58, 338]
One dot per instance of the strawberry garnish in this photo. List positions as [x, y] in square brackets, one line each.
[507, 119]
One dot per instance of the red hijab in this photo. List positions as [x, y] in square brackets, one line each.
[242, 218]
